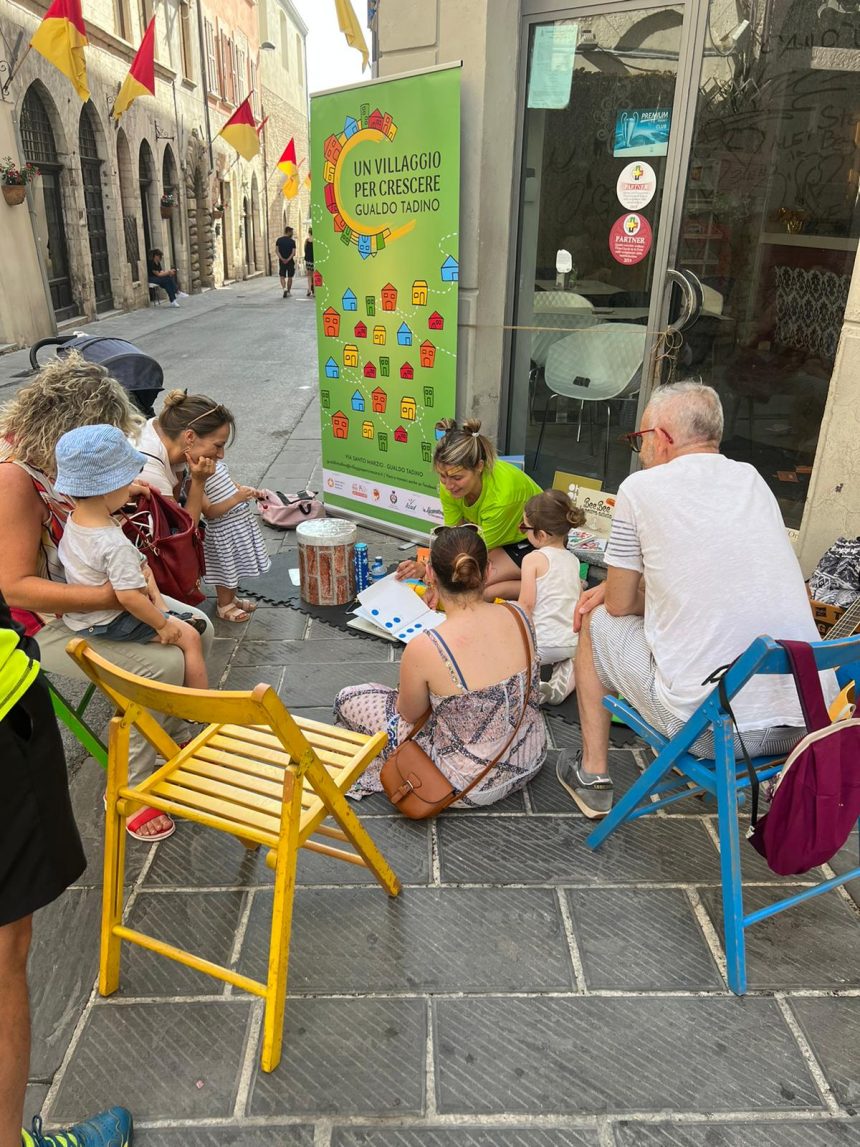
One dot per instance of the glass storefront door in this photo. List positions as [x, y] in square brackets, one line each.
[721, 139]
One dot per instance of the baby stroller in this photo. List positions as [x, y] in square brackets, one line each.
[139, 374]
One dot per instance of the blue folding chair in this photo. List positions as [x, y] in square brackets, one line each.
[720, 778]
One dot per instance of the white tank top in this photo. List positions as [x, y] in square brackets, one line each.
[557, 592]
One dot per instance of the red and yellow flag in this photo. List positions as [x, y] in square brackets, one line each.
[140, 80]
[287, 164]
[240, 130]
[61, 39]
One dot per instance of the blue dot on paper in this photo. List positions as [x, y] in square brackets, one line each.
[417, 624]
[388, 625]
[375, 612]
[409, 630]
[397, 621]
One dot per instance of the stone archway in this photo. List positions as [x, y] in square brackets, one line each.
[201, 238]
[129, 211]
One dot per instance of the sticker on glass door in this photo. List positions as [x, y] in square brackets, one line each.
[643, 131]
[636, 185]
[630, 239]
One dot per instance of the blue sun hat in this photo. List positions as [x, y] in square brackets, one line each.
[93, 460]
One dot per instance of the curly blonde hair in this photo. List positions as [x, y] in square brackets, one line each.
[68, 393]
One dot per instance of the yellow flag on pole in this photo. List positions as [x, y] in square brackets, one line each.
[140, 80]
[349, 25]
[240, 130]
[61, 39]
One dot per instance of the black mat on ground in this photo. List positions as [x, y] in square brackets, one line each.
[619, 735]
[275, 588]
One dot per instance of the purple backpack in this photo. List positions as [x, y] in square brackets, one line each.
[816, 800]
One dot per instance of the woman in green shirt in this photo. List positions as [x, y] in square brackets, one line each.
[476, 486]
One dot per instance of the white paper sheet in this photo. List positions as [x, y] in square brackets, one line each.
[396, 609]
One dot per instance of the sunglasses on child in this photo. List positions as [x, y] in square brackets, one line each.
[437, 530]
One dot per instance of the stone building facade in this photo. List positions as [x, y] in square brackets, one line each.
[79, 243]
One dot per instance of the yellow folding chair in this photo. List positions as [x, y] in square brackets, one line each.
[254, 772]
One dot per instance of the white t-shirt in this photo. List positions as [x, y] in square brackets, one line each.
[95, 555]
[157, 470]
[679, 524]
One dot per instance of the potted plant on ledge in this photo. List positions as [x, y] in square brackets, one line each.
[14, 179]
[168, 202]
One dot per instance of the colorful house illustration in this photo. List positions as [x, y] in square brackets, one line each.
[386, 122]
[350, 355]
[419, 293]
[370, 304]
[330, 200]
[379, 336]
[400, 435]
[435, 322]
[325, 399]
[391, 131]
[367, 430]
[339, 223]
[426, 451]
[439, 431]
[369, 370]
[427, 353]
[332, 370]
[389, 297]
[318, 279]
[406, 371]
[364, 247]
[450, 270]
[331, 323]
[332, 148]
[384, 366]
[407, 408]
[365, 112]
[328, 172]
[350, 302]
[375, 120]
[404, 335]
[429, 397]
[340, 424]
[360, 331]
[379, 400]
[382, 441]
[350, 127]
[358, 401]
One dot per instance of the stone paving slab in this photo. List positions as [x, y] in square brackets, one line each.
[270, 1135]
[425, 940]
[310, 684]
[844, 861]
[87, 804]
[351, 1056]
[805, 1133]
[557, 1056]
[641, 939]
[204, 923]
[812, 945]
[463, 1137]
[298, 654]
[551, 850]
[249, 676]
[59, 987]
[832, 1027]
[177, 1060]
[271, 623]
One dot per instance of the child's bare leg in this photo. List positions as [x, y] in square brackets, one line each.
[196, 676]
[225, 596]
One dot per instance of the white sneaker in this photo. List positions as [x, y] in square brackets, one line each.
[174, 303]
[182, 294]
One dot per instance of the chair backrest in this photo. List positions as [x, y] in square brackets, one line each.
[260, 706]
[597, 363]
[560, 301]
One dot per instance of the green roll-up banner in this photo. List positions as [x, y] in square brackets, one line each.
[385, 165]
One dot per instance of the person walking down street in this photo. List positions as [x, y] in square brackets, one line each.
[40, 856]
[67, 394]
[166, 279]
[667, 615]
[476, 486]
[474, 675]
[286, 250]
[309, 261]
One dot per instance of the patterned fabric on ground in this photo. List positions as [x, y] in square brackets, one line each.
[465, 731]
[233, 544]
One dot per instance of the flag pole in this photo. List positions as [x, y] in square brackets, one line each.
[15, 70]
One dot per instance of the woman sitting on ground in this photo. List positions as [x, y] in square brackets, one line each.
[67, 394]
[476, 486]
[474, 675]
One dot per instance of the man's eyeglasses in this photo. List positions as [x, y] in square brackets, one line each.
[634, 439]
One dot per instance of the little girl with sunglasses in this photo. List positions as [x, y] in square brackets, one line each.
[551, 586]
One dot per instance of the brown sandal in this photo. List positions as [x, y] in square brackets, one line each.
[233, 612]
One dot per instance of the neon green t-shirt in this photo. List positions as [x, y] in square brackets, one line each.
[499, 509]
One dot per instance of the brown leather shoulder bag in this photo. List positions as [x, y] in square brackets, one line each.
[415, 785]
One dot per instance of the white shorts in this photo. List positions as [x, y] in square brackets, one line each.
[625, 665]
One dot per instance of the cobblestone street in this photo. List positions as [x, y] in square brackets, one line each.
[523, 991]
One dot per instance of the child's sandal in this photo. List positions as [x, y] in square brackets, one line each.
[233, 612]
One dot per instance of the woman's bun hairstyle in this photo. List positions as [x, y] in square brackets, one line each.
[459, 560]
[553, 513]
[173, 398]
[463, 446]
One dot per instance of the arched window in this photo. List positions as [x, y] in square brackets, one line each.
[91, 177]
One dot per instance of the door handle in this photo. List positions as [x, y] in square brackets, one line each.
[692, 297]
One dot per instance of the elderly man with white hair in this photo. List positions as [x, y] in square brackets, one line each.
[673, 609]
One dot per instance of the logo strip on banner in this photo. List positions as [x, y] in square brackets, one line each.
[386, 180]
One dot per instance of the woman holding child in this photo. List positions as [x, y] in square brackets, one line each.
[476, 486]
[70, 393]
[475, 675]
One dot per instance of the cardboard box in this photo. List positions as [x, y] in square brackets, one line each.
[825, 616]
[586, 493]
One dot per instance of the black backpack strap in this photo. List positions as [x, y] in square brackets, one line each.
[755, 783]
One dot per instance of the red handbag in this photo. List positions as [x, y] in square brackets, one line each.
[173, 546]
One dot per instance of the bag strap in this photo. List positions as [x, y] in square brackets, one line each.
[808, 683]
[755, 783]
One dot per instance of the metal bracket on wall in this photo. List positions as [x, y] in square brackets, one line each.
[7, 66]
[159, 134]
